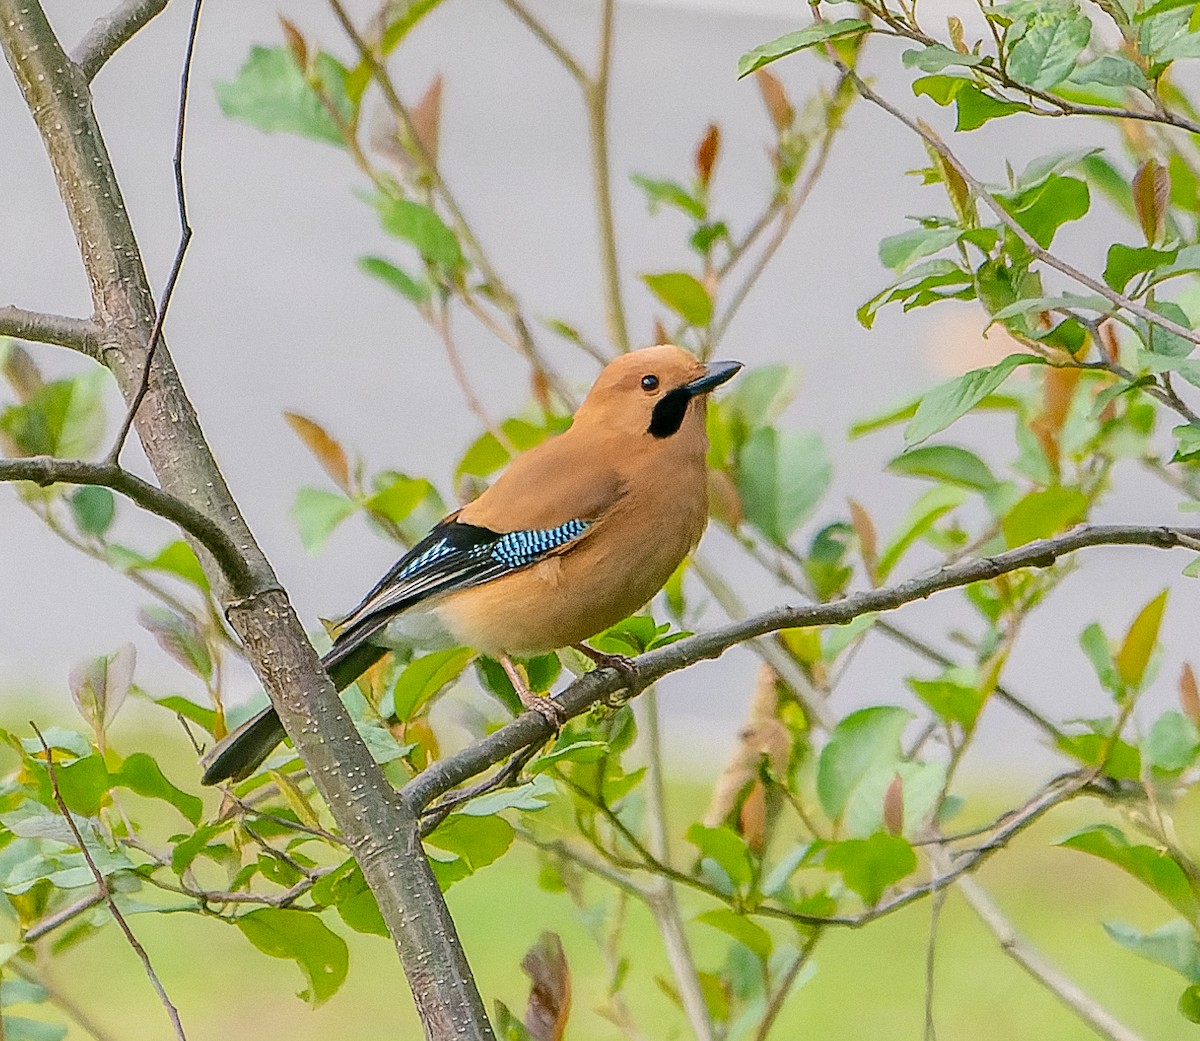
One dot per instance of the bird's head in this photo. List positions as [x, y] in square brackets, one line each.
[657, 391]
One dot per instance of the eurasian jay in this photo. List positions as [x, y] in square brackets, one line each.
[576, 534]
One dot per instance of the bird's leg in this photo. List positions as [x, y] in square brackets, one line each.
[620, 662]
[544, 706]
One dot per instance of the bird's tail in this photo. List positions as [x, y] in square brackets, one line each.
[238, 754]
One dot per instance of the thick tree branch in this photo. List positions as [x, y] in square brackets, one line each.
[111, 32]
[601, 683]
[45, 470]
[80, 334]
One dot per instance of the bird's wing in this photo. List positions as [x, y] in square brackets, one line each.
[455, 555]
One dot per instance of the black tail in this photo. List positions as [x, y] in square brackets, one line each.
[237, 755]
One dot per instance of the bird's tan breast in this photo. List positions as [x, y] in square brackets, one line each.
[625, 557]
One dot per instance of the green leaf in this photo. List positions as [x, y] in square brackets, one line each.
[284, 932]
[1134, 655]
[1043, 210]
[1112, 70]
[948, 463]
[421, 227]
[486, 455]
[1095, 646]
[404, 15]
[178, 559]
[1189, 1004]
[925, 512]
[728, 849]
[1173, 945]
[180, 637]
[1187, 436]
[936, 57]
[946, 403]
[478, 841]
[509, 1026]
[670, 193]
[955, 697]
[399, 497]
[1152, 867]
[790, 43]
[574, 752]
[93, 508]
[1043, 513]
[864, 740]
[271, 93]
[683, 294]
[22, 1028]
[1162, 341]
[868, 866]
[423, 677]
[316, 513]
[63, 418]
[1044, 46]
[142, 774]
[781, 476]
[899, 251]
[1126, 261]
[976, 108]
[1172, 744]
[394, 278]
[749, 934]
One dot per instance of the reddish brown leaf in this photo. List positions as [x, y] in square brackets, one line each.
[752, 819]
[1151, 188]
[893, 806]
[1058, 391]
[550, 994]
[22, 372]
[660, 332]
[1189, 694]
[1110, 346]
[779, 108]
[868, 541]
[295, 42]
[764, 739]
[539, 386]
[426, 118]
[706, 153]
[724, 503]
[327, 451]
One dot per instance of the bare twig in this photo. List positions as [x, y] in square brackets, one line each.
[775, 1005]
[548, 40]
[80, 334]
[531, 727]
[46, 470]
[102, 885]
[61, 917]
[185, 237]
[661, 900]
[112, 31]
[1040, 968]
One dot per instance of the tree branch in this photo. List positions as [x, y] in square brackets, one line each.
[80, 334]
[110, 32]
[530, 727]
[44, 470]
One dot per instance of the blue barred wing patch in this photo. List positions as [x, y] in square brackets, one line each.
[518, 548]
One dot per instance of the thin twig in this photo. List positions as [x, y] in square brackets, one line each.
[80, 334]
[46, 470]
[185, 237]
[548, 40]
[102, 885]
[1061, 986]
[662, 901]
[112, 31]
[775, 1005]
[61, 917]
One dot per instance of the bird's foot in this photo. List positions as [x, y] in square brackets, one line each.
[543, 704]
[622, 664]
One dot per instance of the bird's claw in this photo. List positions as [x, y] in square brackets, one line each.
[547, 708]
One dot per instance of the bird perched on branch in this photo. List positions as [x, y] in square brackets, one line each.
[576, 534]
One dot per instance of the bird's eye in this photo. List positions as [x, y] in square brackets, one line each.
[649, 383]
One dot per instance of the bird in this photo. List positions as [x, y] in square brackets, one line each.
[575, 534]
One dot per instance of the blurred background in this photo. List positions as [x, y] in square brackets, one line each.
[272, 314]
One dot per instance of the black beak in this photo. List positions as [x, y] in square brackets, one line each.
[716, 373]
